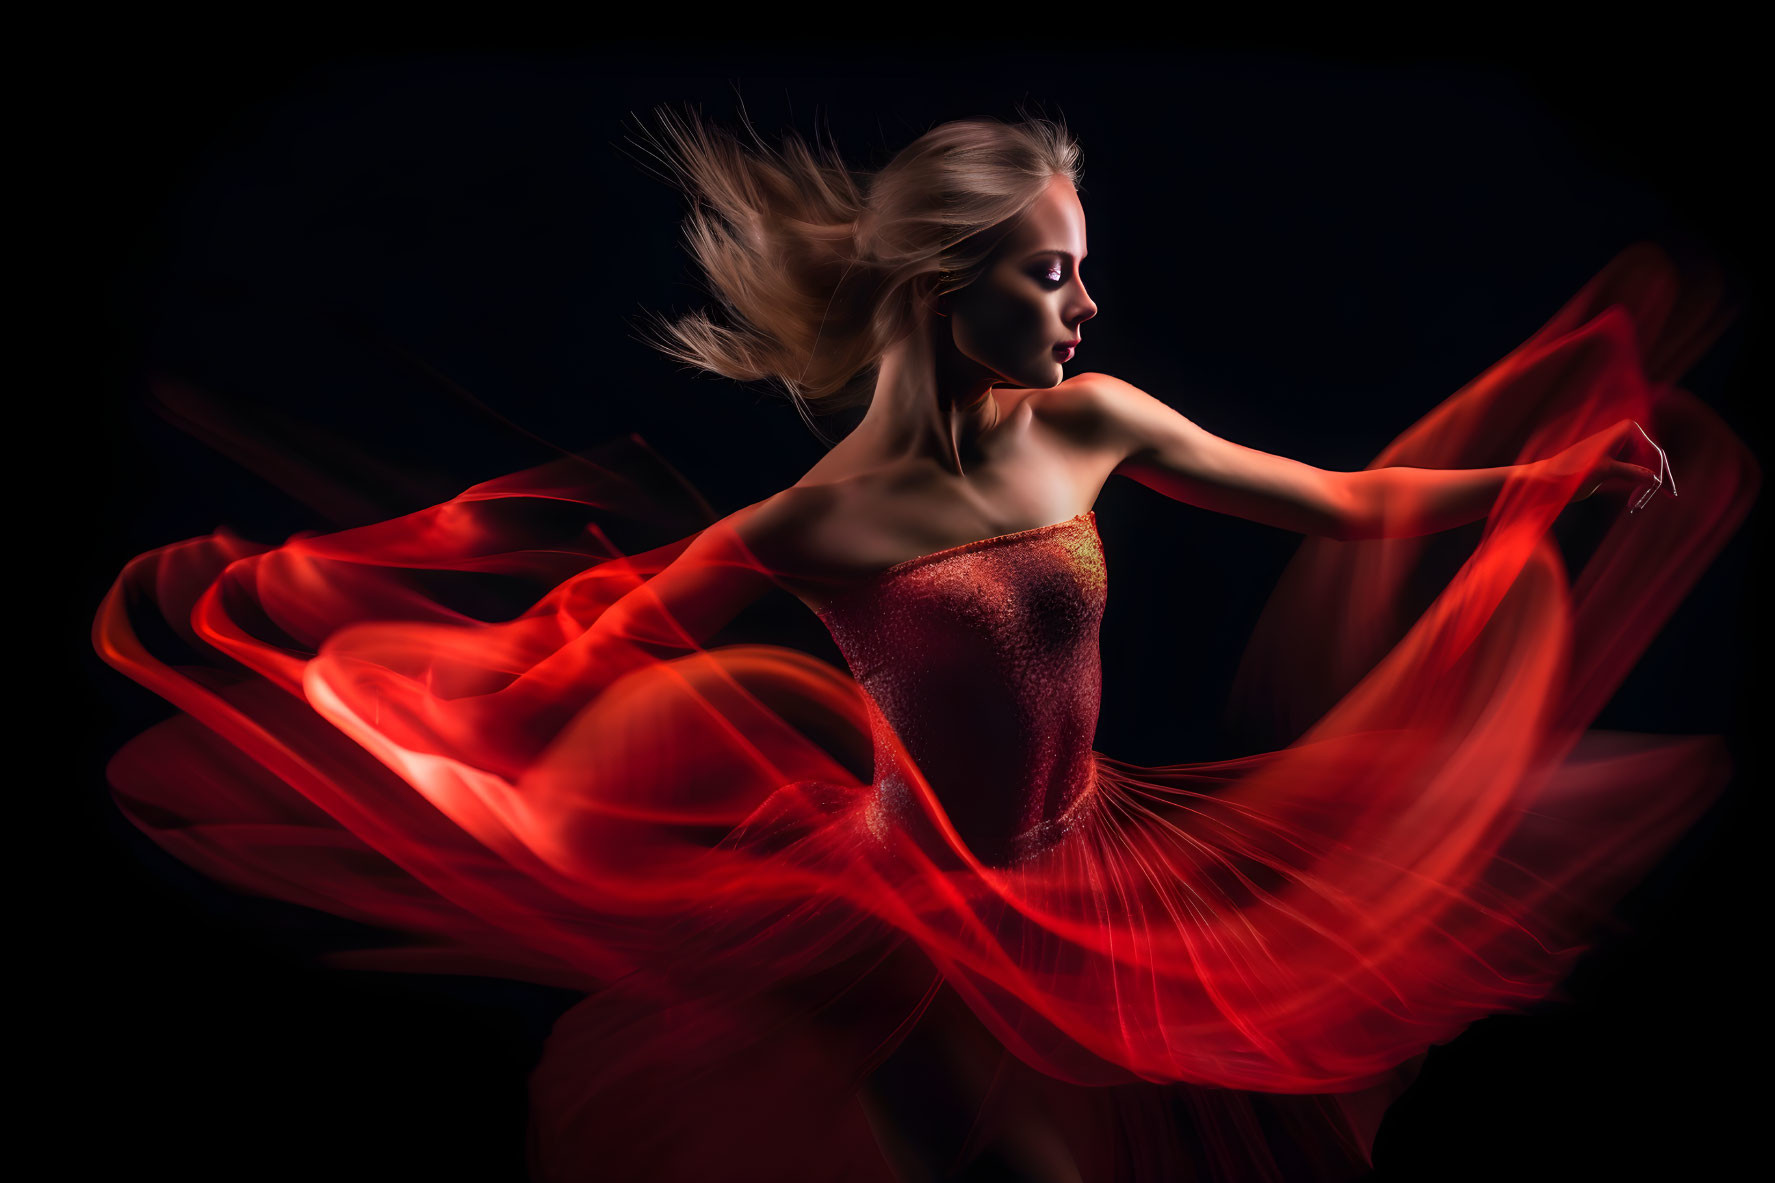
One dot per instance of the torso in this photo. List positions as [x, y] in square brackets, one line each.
[841, 523]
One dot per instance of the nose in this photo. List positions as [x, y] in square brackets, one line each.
[1082, 309]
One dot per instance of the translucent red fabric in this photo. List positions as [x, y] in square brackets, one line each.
[1202, 970]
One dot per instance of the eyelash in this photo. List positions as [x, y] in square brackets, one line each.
[1047, 275]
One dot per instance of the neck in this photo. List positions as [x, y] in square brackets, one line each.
[931, 402]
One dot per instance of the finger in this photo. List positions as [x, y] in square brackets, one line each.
[1664, 471]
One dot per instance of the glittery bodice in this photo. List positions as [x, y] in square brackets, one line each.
[983, 659]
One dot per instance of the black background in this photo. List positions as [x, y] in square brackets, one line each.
[1302, 247]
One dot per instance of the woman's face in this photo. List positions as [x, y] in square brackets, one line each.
[1028, 304]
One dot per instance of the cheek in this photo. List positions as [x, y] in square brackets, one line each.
[1013, 323]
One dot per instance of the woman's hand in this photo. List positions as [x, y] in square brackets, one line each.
[1645, 479]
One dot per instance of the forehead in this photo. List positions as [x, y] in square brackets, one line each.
[1056, 221]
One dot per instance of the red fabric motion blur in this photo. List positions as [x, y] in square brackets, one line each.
[1189, 965]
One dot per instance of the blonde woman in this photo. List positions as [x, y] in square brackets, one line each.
[986, 949]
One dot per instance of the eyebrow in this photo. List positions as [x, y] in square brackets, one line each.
[1067, 255]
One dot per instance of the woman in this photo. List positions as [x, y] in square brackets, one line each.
[906, 922]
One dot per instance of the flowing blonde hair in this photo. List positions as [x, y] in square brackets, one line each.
[820, 269]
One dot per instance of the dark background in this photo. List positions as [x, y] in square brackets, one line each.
[1303, 247]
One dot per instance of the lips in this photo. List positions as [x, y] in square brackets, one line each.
[1064, 350]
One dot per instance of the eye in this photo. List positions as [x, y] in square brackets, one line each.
[1053, 273]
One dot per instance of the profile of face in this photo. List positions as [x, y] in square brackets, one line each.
[1019, 317]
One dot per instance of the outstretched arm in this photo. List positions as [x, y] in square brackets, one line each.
[1165, 451]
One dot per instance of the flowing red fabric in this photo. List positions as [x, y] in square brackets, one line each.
[1202, 970]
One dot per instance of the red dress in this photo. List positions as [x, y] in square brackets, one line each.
[1212, 970]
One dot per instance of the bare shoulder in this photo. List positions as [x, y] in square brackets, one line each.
[777, 529]
[1091, 410]
[1092, 391]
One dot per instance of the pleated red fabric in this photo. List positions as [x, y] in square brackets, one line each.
[1216, 970]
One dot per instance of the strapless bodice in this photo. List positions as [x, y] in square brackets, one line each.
[983, 659]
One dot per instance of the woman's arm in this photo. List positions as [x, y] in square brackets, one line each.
[724, 569]
[649, 619]
[1163, 450]
[619, 621]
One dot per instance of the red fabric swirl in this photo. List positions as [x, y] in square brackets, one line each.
[578, 793]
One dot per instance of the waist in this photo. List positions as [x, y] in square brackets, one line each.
[994, 835]
[1045, 833]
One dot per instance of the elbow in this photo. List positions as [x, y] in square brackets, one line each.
[1352, 524]
[1346, 518]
